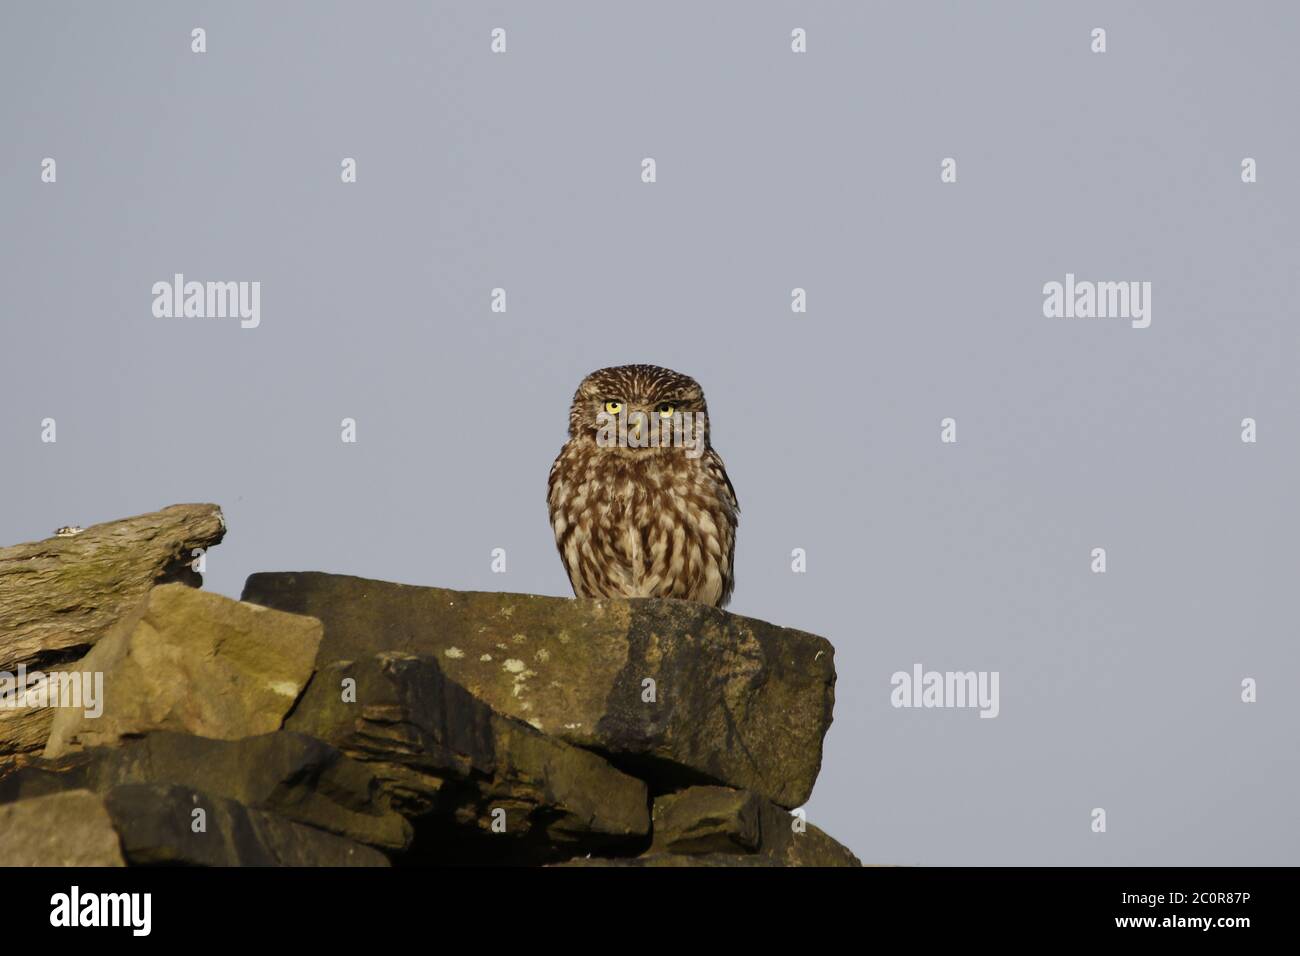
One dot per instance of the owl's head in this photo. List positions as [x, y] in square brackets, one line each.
[644, 397]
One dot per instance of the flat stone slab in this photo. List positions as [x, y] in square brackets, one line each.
[674, 691]
[298, 777]
[195, 662]
[720, 821]
[478, 785]
[158, 825]
[62, 829]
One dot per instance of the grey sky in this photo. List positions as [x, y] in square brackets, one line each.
[775, 171]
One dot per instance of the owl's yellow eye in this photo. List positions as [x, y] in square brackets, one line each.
[665, 409]
[613, 407]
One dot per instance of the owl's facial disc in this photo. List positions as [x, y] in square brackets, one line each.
[653, 410]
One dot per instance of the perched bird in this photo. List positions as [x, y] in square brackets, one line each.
[640, 503]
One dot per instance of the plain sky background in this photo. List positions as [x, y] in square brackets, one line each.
[775, 171]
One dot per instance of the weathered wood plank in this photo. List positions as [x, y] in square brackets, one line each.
[60, 595]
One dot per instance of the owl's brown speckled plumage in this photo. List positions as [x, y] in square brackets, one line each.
[642, 522]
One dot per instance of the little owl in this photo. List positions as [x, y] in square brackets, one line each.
[640, 503]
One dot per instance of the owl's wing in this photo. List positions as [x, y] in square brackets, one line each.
[718, 472]
[555, 469]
